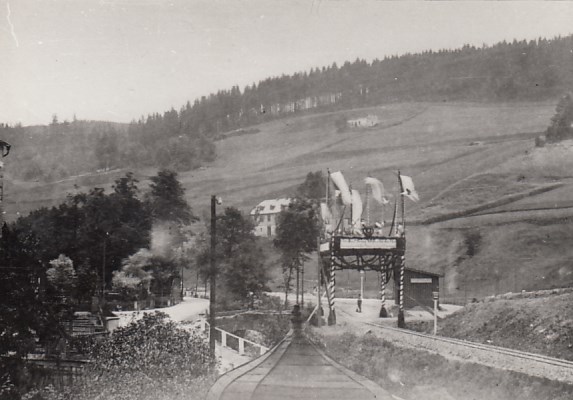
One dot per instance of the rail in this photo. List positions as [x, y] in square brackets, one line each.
[562, 370]
[241, 341]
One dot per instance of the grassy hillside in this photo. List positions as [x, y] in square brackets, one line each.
[461, 156]
[538, 322]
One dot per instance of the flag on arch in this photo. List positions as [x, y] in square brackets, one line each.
[341, 184]
[356, 207]
[377, 189]
[408, 187]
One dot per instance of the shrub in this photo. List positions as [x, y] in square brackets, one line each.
[151, 358]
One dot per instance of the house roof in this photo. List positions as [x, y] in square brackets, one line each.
[424, 272]
[272, 206]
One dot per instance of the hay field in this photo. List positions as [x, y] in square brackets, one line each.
[460, 156]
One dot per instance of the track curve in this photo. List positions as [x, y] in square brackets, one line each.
[294, 369]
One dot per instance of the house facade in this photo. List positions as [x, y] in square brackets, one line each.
[265, 216]
[367, 122]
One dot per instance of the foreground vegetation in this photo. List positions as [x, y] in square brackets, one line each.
[417, 374]
[151, 359]
[74, 257]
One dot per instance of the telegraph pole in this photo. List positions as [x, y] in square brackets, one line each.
[212, 274]
[4, 150]
[401, 321]
[318, 285]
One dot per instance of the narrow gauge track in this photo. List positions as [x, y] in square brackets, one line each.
[295, 369]
[565, 367]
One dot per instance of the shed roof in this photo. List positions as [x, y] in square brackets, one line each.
[425, 272]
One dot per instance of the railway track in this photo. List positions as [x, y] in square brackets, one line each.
[295, 369]
[500, 357]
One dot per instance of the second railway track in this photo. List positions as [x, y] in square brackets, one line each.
[494, 356]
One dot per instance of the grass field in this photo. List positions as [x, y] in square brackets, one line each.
[417, 374]
[461, 156]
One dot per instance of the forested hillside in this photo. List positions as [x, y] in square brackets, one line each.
[183, 140]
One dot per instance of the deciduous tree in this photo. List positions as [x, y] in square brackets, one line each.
[562, 122]
[297, 230]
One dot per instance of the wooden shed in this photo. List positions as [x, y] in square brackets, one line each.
[418, 288]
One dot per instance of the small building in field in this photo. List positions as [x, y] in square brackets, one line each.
[367, 122]
[419, 287]
[265, 216]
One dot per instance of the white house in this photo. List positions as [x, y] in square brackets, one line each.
[369, 121]
[265, 216]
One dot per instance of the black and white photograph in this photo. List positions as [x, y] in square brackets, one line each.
[286, 200]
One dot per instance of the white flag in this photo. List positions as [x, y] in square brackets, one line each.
[341, 184]
[377, 190]
[325, 214]
[408, 186]
[356, 208]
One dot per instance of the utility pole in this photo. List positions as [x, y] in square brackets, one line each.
[401, 321]
[435, 296]
[4, 150]
[318, 285]
[302, 285]
[182, 285]
[103, 270]
[213, 273]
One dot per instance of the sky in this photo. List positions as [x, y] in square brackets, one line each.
[118, 60]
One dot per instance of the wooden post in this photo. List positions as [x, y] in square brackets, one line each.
[401, 321]
[297, 282]
[435, 317]
[436, 296]
[4, 150]
[318, 285]
[383, 312]
[332, 286]
[212, 277]
[302, 285]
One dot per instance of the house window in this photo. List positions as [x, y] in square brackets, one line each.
[269, 217]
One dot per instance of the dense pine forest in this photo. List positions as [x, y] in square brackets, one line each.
[184, 139]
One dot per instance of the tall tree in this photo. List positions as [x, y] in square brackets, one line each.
[313, 187]
[166, 200]
[296, 234]
[562, 122]
[240, 259]
[246, 275]
[62, 276]
[95, 230]
[106, 150]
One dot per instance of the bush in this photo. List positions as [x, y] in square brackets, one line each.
[540, 141]
[341, 123]
[154, 346]
[151, 358]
